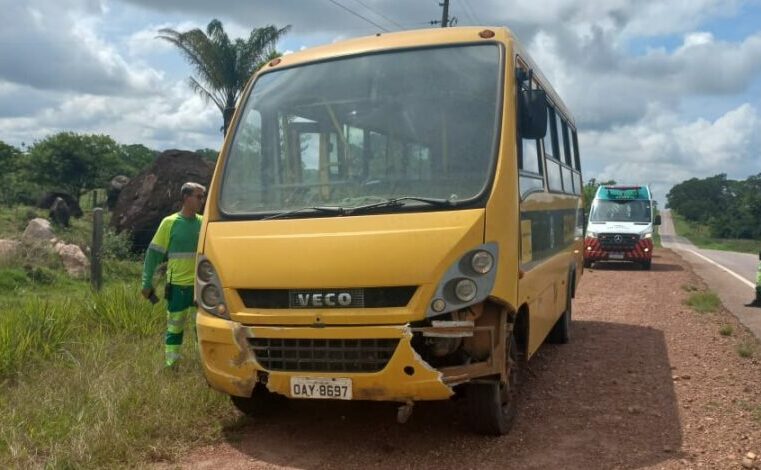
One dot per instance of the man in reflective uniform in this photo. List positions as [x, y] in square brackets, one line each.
[177, 241]
[757, 301]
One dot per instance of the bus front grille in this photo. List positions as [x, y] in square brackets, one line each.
[323, 355]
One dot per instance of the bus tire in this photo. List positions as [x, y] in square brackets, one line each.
[561, 332]
[492, 405]
[587, 264]
[647, 265]
[262, 402]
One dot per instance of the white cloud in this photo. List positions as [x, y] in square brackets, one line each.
[145, 42]
[56, 46]
[661, 149]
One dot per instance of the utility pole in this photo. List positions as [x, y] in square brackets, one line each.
[445, 14]
[445, 20]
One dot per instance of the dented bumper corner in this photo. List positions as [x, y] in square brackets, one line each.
[231, 365]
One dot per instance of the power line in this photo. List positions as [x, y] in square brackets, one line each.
[334, 2]
[470, 12]
[380, 14]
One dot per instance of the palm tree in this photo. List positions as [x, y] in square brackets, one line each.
[224, 66]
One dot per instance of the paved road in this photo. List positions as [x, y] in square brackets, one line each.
[732, 275]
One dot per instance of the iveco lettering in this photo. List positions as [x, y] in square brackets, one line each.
[394, 218]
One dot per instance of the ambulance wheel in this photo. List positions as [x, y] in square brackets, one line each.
[492, 405]
[262, 402]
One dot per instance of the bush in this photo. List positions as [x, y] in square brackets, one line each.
[117, 246]
[704, 302]
[120, 309]
[33, 330]
[12, 279]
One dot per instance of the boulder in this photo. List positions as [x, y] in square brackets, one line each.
[114, 189]
[60, 213]
[38, 230]
[155, 194]
[74, 260]
[46, 202]
[9, 248]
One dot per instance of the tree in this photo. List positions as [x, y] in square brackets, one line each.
[75, 163]
[10, 163]
[136, 157]
[590, 189]
[208, 154]
[224, 66]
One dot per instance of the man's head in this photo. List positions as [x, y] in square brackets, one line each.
[193, 195]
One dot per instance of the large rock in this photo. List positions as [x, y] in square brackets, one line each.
[49, 198]
[74, 260]
[38, 230]
[155, 193]
[114, 189]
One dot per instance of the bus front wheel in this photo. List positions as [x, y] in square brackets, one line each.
[261, 402]
[492, 405]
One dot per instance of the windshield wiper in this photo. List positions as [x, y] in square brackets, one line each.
[399, 202]
[332, 210]
[341, 211]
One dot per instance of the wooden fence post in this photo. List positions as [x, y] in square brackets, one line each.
[96, 268]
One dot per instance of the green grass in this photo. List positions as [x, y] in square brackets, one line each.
[726, 330]
[700, 236]
[746, 349]
[704, 302]
[81, 377]
[82, 383]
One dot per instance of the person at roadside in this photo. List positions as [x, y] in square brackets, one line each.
[176, 240]
[757, 301]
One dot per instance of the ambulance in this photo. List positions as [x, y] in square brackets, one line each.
[621, 224]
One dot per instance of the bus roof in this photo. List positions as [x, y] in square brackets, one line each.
[616, 192]
[418, 38]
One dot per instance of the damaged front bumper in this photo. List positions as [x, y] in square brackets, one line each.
[232, 364]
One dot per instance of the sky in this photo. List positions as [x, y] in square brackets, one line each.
[662, 90]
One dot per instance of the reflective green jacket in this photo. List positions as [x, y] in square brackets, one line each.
[177, 240]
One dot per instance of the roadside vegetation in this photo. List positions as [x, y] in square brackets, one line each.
[718, 213]
[77, 367]
[700, 236]
[704, 302]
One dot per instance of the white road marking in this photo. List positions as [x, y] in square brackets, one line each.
[745, 281]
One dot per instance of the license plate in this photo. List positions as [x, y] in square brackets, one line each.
[308, 387]
[615, 256]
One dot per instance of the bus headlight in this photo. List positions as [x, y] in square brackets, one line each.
[209, 294]
[591, 235]
[468, 280]
[465, 290]
[482, 262]
[205, 271]
[645, 236]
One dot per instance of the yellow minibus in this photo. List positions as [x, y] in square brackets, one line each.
[393, 218]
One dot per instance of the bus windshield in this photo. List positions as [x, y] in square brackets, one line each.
[620, 211]
[417, 123]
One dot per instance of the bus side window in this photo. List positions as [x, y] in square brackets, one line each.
[575, 147]
[549, 139]
[566, 145]
[552, 165]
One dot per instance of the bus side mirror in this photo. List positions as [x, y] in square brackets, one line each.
[532, 107]
[657, 220]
